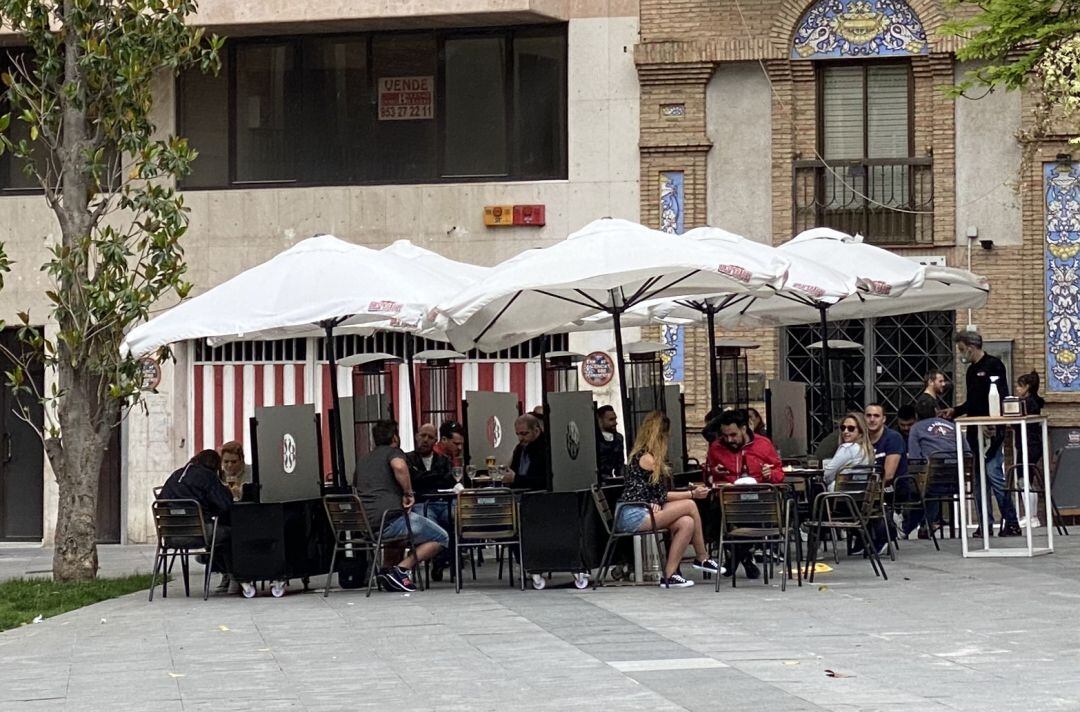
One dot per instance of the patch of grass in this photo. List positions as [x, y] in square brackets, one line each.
[22, 600]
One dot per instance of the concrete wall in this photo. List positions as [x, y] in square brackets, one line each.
[738, 110]
[988, 167]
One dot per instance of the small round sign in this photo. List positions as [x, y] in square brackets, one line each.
[288, 453]
[151, 374]
[597, 369]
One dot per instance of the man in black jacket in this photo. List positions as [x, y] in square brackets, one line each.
[199, 480]
[983, 373]
[610, 448]
[529, 463]
[429, 472]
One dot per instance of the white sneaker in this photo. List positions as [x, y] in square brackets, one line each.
[1035, 523]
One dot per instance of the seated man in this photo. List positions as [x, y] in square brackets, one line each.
[610, 448]
[451, 442]
[932, 439]
[429, 472]
[529, 463]
[199, 480]
[738, 453]
[383, 484]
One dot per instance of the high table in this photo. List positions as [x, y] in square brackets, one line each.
[1023, 421]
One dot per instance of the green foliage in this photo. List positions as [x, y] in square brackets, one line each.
[22, 600]
[1011, 38]
[83, 94]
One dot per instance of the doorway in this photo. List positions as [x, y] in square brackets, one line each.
[22, 457]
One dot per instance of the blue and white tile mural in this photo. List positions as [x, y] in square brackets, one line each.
[1062, 183]
[671, 220]
[859, 28]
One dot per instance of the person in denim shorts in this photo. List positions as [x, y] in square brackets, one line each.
[646, 502]
[383, 485]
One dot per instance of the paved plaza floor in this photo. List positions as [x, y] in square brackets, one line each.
[942, 633]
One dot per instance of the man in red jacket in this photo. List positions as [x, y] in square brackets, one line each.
[738, 452]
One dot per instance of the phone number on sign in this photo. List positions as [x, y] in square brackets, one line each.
[405, 112]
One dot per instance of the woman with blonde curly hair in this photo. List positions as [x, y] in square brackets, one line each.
[648, 481]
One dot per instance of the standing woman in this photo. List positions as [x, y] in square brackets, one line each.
[756, 422]
[855, 447]
[648, 479]
[1027, 390]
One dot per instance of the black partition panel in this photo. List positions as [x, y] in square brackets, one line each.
[489, 420]
[673, 406]
[1066, 443]
[573, 440]
[287, 453]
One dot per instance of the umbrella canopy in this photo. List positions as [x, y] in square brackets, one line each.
[317, 282]
[609, 266]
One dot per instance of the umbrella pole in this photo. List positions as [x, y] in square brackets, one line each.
[410, 349]
[714, 376]
[620, 369]
[337, 449]
[826, 400]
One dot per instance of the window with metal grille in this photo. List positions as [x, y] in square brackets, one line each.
[281, 350]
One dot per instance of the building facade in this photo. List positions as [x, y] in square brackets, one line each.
[780, 115]
[374, 122]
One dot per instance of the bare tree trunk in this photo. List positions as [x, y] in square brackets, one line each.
[85, 424]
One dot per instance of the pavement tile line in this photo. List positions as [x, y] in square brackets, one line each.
[942, 634]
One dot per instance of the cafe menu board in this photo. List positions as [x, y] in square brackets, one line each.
[406, 98]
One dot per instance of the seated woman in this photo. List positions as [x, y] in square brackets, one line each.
[648, 479]
[855, 448]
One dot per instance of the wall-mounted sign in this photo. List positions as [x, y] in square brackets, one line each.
[151, 374]
[498, 215]
[406, 98]
[597, 369]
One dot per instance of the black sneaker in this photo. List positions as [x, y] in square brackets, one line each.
[675, 581]
[709, 566]
[398, 579]
[751, 569]
[1012, 529]
[437, 573]
[977, 534]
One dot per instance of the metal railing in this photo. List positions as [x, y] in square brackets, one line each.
[888, 200]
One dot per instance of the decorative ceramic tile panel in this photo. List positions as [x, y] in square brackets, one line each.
[671, 220]
[1062, 184]
[859, 28]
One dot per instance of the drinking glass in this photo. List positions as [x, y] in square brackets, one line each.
[498, 474]
[458, 473]
[470, 472]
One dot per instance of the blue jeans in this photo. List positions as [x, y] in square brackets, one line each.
[439, 511]
[995, 480]
[423, 530]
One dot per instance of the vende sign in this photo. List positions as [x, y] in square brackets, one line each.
[406, 98]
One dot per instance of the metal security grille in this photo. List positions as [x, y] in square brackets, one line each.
[902, 350]
[281, 350]
[391, 342]
[905, 348]
[803, 364]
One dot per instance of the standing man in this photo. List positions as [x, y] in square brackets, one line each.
[984, 372]
[452, 442]
[930, 404]
[890, 456]
[610, 448]
[529, 464]
[383, 484]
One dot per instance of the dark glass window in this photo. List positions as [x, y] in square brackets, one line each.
[475, 83]
[392, 107]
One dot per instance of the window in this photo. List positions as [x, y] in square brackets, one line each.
[393, 107]
[869, 181]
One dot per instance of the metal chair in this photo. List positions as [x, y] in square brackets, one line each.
[181, 530]
[1014, 485]
[855, 500]
[352, 532]
[757, 514]
[484, 517]
[608, 518]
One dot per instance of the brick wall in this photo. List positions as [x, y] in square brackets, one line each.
[682, 41]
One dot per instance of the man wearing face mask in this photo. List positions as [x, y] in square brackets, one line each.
[984, 372]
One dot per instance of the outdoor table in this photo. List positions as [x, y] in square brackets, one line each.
[1023, 421]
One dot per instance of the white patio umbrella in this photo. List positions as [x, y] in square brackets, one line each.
[611, 266]
[809, 283]
[318, 285]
